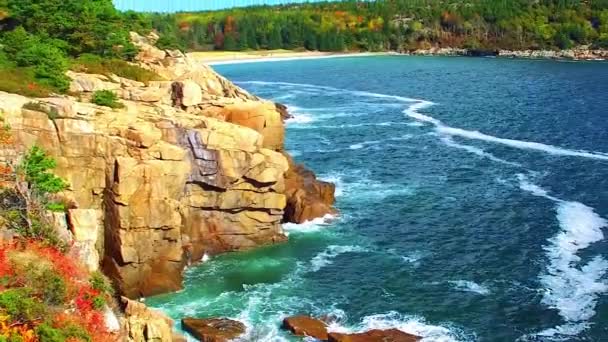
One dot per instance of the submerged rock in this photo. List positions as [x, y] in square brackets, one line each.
[213, 329]
[391, 335]
[306, 326]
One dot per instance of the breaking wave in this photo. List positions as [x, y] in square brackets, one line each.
[326, 257]
[407, 323]
[571, 287]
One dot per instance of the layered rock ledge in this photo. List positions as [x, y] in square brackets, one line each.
[192, 165]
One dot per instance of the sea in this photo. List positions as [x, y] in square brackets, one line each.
[472, 197]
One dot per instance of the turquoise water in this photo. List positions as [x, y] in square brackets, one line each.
[473, 197]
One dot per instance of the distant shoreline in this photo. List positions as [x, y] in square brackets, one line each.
[577, 54]
[238, 57]
[242, 57]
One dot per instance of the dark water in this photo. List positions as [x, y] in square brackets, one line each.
[472, 194]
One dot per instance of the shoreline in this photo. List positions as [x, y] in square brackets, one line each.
[577, 54]
[226, 58]
[222, 58]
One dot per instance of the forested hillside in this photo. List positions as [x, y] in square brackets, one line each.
[393, 25]
[41, 39]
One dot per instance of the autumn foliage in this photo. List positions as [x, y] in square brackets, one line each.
[46, 296]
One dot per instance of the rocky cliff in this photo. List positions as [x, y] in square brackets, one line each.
[192, 165]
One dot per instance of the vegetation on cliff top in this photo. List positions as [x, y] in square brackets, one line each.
[392, 25]
[45, 295]
[40, 40]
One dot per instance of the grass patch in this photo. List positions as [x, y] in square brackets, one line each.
[106, 98]
[93, 64]
[22, 81]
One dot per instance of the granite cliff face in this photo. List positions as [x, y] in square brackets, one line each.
[192, 165]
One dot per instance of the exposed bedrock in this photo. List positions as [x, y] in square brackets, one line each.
[154, 186]
[307, 197]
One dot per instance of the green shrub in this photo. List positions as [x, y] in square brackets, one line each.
[49, 62]
[40, 276]
[57, 207]
[106, 98]
[23, 82]
[42, 230]
[101, 283]
[46, 333]
[52, 287]
[19, 304]
[169, 42]
[99, 302]
[16, 40]
[35, 166]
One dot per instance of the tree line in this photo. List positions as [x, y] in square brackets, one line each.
[396, 25]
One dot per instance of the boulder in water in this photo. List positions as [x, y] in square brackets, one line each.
[307, 197]
[302, 325]
[391, 335]
[213, 329]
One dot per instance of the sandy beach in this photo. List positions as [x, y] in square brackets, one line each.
[234, 57]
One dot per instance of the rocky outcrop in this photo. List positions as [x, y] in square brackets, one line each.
[158, 184]
[213, 329]
[143, 324]
[302, 325]
[391, 335]
[307, 197]
[306, 326]
[579, 53]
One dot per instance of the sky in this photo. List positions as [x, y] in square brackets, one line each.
[194, 5]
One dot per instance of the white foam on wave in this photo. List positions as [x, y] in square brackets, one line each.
[310, 226]
[441, 128]
[327, 256]
[415, 124]
[410, 324]
[364, 187]
[413, 258]
[300, 119]
[470, 286]
[475, 150]
[416, 105]
[363, 144]
[342, 126]
[570, 287]
[338, 90]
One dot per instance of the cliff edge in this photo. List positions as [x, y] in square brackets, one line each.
[191, 165]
